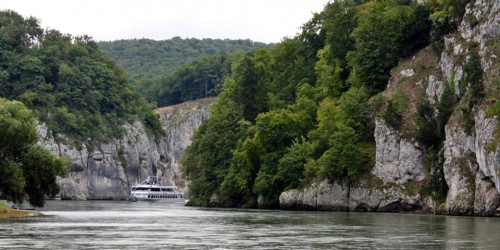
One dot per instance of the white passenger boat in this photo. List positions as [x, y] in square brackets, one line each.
[154, 189]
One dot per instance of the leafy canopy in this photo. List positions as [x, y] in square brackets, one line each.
[66, 80]
[28, 170]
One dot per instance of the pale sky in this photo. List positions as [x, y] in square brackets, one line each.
[107, 20]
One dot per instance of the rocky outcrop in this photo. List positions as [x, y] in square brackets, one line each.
[471, 158]
[180, 122]
[397, 160]
[106, 170]
[319, 196]
[392, 185]
[471, 170]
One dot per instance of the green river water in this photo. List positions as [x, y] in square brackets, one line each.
[170, 225]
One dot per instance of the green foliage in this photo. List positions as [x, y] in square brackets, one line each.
[303, 110]
[445, 108]
[472, 78]
[26, 168]
[448, 10]
[426, 123]
[146, 58]
[250, 88]
[338, 136]
[194, 80]
[66, 80]
[394, 111]
[386, 31]
[292, 65]
[206, 162]
[329, 77]
[436, 188]
[291, 165]
[431, 133]
[344, 157]
[446, 16]
[493, 110]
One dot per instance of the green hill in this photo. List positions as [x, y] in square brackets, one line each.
[68, 82]
[146, 58]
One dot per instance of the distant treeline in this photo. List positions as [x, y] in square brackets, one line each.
[146, 58]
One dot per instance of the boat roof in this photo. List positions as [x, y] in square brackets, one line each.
[159, 181]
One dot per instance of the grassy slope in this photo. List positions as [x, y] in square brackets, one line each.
[6, 212]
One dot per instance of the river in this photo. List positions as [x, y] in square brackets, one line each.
[170, 225]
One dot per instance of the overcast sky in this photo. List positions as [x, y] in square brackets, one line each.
[259, 20]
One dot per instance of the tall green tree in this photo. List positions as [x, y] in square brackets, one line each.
[27, 170]
[386, 31]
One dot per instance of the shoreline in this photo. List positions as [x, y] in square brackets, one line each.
[14, 213]
[6, 212]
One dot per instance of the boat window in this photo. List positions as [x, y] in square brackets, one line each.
[155, 189]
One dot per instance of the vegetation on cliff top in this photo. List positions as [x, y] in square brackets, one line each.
[304, 109]
[300, 110]
[67, 81]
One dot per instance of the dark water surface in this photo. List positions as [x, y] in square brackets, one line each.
[163, 225]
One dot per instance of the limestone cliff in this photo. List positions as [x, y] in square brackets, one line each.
[471, 153]
[106, 170]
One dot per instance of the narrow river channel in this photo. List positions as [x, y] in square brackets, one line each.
[168, 225]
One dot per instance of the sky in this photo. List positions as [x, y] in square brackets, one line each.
[107, 20]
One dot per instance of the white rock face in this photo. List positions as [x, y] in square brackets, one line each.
[109, 169]
[320, 196]
[397, 160]
[471, 172]
[399, 165]
[434, 89]
[471, 165]
[407, 72]
[180, 123]
[486, 13]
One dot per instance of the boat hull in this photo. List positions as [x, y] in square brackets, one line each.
[156, 197]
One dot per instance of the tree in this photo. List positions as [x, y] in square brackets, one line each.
[249, 90]
[207, 160]
[26, 169]
[386, 31]
[62, 76]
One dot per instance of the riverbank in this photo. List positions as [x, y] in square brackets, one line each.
[6, 212]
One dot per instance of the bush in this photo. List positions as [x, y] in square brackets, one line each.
[394, 111]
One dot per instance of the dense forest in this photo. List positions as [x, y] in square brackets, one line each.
[146, 58]
[65, 82]
[305, 109]
[200, 78]
[176, 70]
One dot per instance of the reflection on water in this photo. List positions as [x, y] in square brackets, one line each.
[161, 225]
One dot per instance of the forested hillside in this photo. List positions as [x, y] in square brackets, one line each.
[177, 70]
[68, 82]
[146, 58]
[200, 78]
[305, 109]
